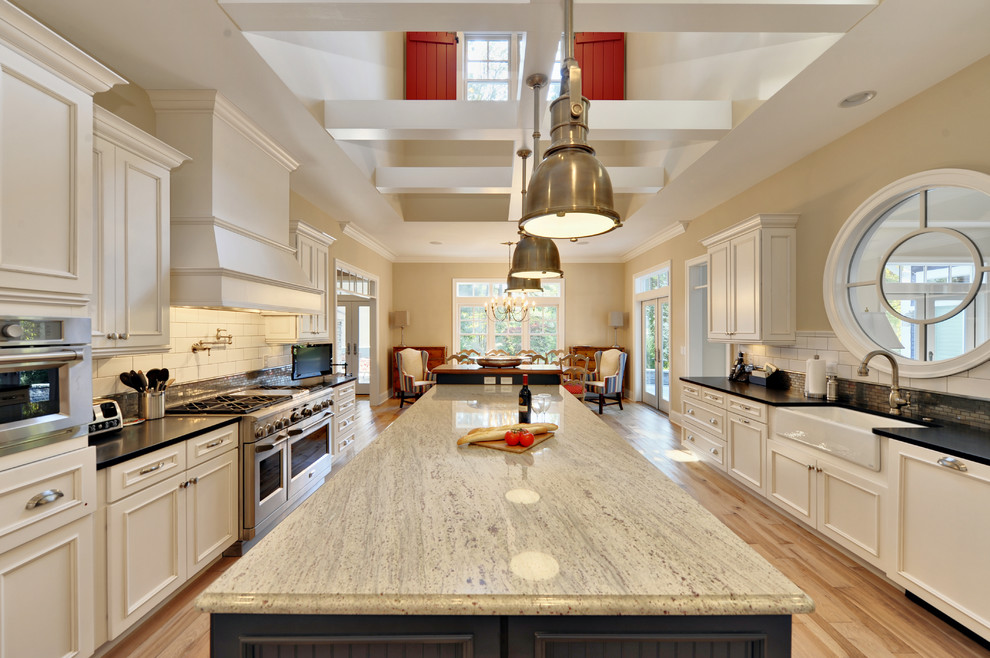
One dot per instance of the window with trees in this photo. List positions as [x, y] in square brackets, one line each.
[541, 332]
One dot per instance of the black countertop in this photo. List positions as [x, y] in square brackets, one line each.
[135, 440]
[957, 440]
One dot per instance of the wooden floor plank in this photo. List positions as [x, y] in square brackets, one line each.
[859, 614]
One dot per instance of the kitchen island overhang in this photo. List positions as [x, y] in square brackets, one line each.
[579, 538]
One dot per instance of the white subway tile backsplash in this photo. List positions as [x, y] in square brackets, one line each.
[111, 367]
[962, 385]
[818, 343]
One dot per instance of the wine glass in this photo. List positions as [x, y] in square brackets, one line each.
[541, 402]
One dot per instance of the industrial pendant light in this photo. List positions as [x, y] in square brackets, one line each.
[534, 258]
[570, 195]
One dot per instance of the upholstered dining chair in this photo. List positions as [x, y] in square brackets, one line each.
[414, 377]
[606, 380]
[574, 375]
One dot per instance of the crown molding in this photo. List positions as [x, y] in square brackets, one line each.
[111, 127]
[763, 220]
[43, 46]
[669, 233]
[363, 238]
[194, 101]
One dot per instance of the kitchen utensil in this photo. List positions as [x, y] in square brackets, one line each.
[154, 376]
[125, 378]
[168, 383]
[143, 380]
[163, 377]
[136, 382]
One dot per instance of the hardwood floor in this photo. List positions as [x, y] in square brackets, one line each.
[858, 614]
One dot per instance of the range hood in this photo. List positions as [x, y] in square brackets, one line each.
[229, 210]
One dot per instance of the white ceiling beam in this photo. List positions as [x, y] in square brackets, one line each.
[397, 119]
[636, 180]
[658, 120]
[594, 15]
[443, 180]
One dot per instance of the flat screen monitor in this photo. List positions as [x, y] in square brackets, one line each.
[311, 360]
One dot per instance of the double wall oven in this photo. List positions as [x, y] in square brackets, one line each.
[286, 441]
[45, 380]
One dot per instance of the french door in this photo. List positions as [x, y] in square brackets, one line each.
[353, 343]
[655, 316]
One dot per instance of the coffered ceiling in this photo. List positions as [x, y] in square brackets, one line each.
[720, 96]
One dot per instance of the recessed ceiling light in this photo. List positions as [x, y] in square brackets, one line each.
[435, 242]
[857, 99]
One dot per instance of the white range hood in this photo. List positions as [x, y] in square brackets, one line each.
[230, 209]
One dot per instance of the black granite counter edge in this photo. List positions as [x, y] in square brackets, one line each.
[136, 440]
[956, 440]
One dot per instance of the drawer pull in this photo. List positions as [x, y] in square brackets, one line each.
[690, 412]
[714, 451]
[953, 463]
[811, 467]
[45, 497]
[213, 444]
[746, 422]
[152, 469]
[747, 407]
[691, 438]
[713, 421]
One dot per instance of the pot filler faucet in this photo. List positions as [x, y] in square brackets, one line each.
[895, 400]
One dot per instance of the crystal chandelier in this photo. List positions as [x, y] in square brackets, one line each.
[512, 305]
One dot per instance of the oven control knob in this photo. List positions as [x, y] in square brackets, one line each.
[324, 404]
[269, 428]
[307, 412]
[12, 331]
[280, 423]
[259, 433]
[295, 417]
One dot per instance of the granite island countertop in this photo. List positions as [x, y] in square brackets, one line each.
[580, 525]
[957, 440]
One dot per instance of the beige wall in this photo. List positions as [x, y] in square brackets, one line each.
[591, 290]
[945, 126]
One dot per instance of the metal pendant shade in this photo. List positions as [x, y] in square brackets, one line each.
[570, 193]
[516, 285]
[535, 258]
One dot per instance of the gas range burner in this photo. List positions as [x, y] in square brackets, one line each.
[227, 404]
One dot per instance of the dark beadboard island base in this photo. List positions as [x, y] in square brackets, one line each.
[316, 636]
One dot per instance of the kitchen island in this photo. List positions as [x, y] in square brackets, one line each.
[578, 544]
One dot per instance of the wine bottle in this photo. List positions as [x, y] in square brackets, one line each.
[525, 401]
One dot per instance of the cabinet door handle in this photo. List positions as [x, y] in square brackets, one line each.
[745, 422]
[811, 467]
[691, 438]
[124, 336]
[45, 497]
[818, 469]
[112, 336]
[193, 480]
[953, 463]
[151, 469]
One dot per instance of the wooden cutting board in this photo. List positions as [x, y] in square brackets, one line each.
[502, 445]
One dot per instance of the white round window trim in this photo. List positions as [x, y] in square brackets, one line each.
[837, 267]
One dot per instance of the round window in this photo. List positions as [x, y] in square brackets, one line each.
[908, 273]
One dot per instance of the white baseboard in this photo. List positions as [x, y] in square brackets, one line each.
[676, 418]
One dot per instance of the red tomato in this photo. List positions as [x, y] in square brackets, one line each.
[526, 439]
[512, 437]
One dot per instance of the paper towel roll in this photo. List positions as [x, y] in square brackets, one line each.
[814, 378]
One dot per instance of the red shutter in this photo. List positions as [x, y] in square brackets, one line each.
[602, 58]
[431, 66]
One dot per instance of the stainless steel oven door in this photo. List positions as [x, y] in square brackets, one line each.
[310, 447]
[267, 482]
[45, 392]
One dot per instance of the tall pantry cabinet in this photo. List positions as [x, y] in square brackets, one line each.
[46, 122]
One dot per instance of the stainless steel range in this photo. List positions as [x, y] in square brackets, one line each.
[286, 439]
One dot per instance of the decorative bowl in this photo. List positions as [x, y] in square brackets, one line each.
[499, 361]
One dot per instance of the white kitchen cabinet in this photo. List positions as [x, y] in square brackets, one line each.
[46, 556]
[752, 274]
[130, 303]
[842, 501]
[46, 123]
[746, 451]
[46, 594]
[167, 521]
[313, 254]
[940, 519]
[344, 409]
